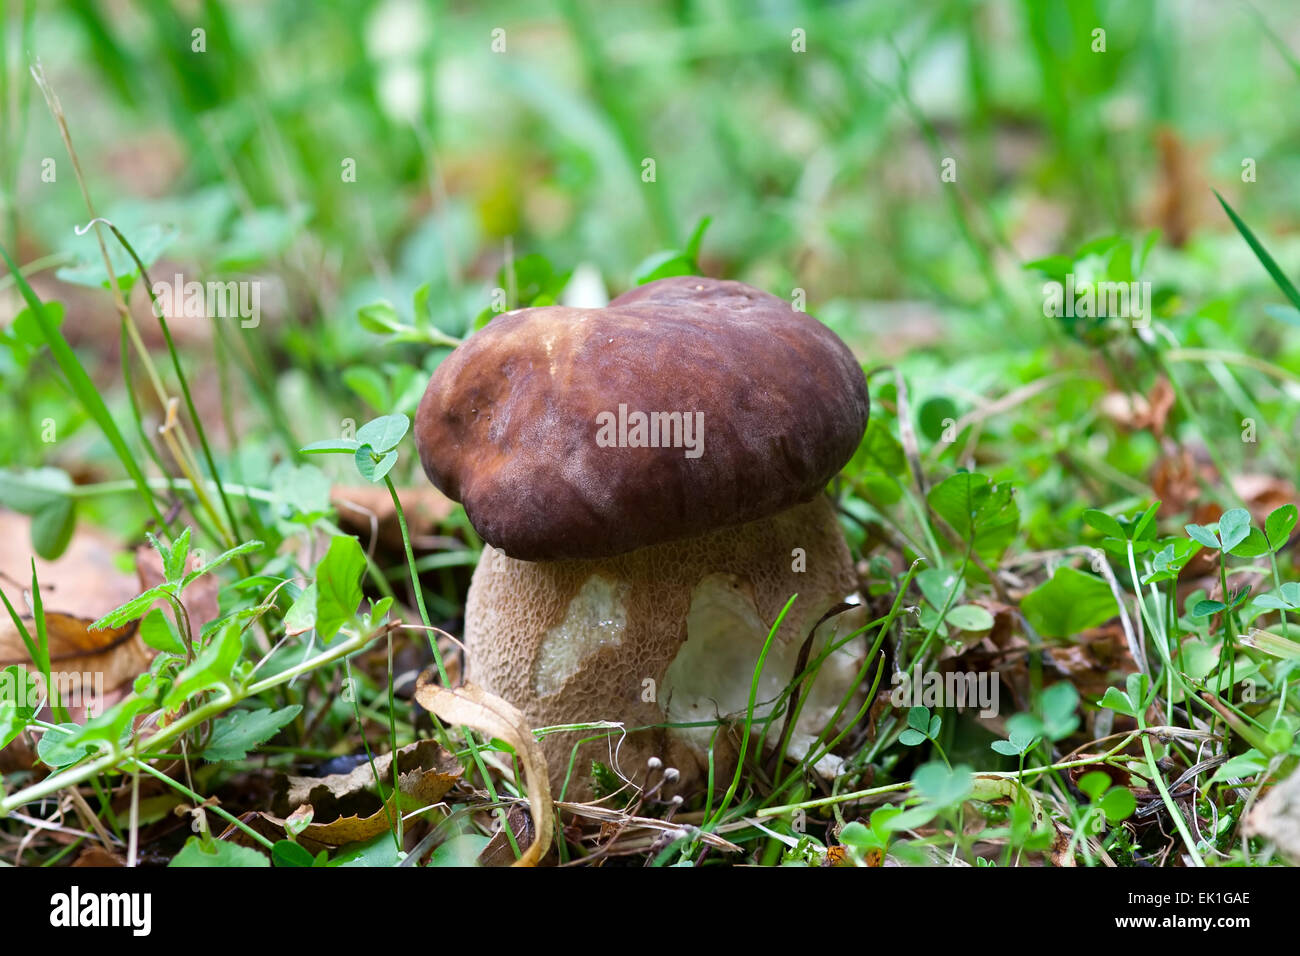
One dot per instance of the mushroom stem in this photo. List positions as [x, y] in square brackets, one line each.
[667, 634]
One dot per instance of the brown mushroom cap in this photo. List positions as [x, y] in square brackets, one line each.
[510, 420]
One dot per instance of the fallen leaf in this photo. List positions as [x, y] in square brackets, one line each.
[1264, 494]
[1140, 412]
[499, 852]
[367, 511]
[98, 856]
[92, 669]
[84, 580]
[1276, 818]
[472, 706]
[344, 808]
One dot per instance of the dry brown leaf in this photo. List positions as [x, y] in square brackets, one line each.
[472, 706]
[78, 588]
[1276, 818]
[1138, 412]
[1093, 660]
[425, 772]
[1060, 854]
[99, 666]
[366, 510]
[498, 851]
[97, 856]
[1180, 199]
[1264, 494]
[84, 580]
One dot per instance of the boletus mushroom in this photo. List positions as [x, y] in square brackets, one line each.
[649, 480]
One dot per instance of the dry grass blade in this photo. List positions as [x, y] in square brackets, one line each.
[472, 706]
[625, 820]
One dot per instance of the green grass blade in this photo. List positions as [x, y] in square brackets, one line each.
[81, 384]
[1261, 253]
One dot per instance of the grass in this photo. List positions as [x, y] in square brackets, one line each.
[1096, 511]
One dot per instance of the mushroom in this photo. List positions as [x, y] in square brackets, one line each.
[649, 480]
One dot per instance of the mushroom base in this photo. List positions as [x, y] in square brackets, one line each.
[666, 634]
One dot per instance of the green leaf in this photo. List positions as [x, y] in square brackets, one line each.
[288, 853]
[301, 616]
[18, 698]
[979, 511]
[213, 668]
[1278, 526]
[304, 488]
[879, 451]
[663, 265]
[918, 718]
[29, 490]
[1233, 527]
[1068, 603]
[937, 584]
[1118, 701]
[52, 528]
[1241, 766]
[856, 834]
[910, 738]
[1204, 534]
[1058, 706]
[932, 415]
[25, 337]
[174, 560]
[1136, 685]
[149, 241]
[344, 446]
[1256, 544]
[132, 609]
[86, 391]
[1017, 743]
[1118, 804]
[223, 558]
[941, 786]
[373, 469]
[384, 433]
[370, 385]
[239, 731]
[970, 617]
[1104, 523]
[459, 851]
[380, 317]
[697, 239]
[1271, 601]
[338, 585]
[196, 852]
[1094, 784]
[63, 745]
[1287, 597]
[157, 632]
[1206, 608]
[420, 303]
[1144, 528]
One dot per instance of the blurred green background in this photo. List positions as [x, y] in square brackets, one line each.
[222, 136]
